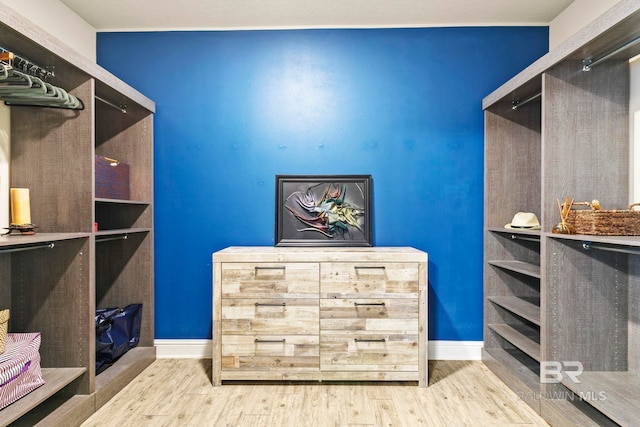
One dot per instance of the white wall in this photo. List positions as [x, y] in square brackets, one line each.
[60, 21]
[575, 17]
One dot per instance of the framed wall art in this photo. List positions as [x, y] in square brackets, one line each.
[323, 210]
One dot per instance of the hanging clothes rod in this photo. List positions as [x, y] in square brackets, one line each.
[588, 246]
[528, 239]
[121, 108]
[110, 238]
[49, 245]
[24, 65]
[587, 64]
[517, 104]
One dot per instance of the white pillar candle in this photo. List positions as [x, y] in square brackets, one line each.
[20, 206]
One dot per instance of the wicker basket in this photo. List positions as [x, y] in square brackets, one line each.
[614, 222]
[4, 321]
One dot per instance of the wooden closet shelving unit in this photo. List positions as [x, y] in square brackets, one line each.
[70, 269]
[547, 298]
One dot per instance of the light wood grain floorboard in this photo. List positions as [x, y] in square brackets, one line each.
[178, 392]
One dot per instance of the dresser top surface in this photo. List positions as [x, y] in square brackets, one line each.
[319, 254]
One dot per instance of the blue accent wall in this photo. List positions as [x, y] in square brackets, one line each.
[235, 108]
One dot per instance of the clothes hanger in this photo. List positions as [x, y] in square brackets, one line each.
[25, 87]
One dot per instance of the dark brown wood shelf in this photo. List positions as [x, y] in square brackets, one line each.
[122, 201]
[516, 232]
[521, 267]
[516, 370]
[55, 380]
[525, 369]
[630, 241]
[615, 394]
[518, 339]
[19, 240]
[573, 412]
[519, 306]
[121, 231]
[131, 364]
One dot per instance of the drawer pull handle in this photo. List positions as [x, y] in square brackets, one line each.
[369, 267]
[369, 340]
[269, 341]
[358, 304]
[268, 304]
[258, 268]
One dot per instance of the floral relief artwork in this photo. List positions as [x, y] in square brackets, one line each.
[323, 210]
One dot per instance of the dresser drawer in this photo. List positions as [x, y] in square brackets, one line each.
[369, 280]
[368, 352]
[385, 315]
[270, 280]
[270, 316]
[267, 352]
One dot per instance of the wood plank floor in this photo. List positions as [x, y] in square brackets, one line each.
[178, 392]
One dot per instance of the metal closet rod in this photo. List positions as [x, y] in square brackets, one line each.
[528, 239]
[109, 238]
[587, 64]
[121, 108]
[588, 245]
[517, 104]
[49, 245]
[26, 65]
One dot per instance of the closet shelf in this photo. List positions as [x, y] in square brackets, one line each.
[516, 232]
[121, 231]
[611, 240]
[521, 267]
[513, 366]
[580, 413]
[131, 364]
[16, 240]
[619, 392]
[122, 202]
[55, 380]
[520, 307]
[518, 339]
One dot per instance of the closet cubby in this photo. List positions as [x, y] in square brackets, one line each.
[561, 128]
[512, 308]
[53, 281]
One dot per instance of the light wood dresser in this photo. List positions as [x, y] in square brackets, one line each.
[320, 314]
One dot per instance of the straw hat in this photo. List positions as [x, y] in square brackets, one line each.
[524, 220]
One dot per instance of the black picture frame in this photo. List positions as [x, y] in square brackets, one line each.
[323, 210]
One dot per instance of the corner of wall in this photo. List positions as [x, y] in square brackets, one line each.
[577, 15]
[76, 32]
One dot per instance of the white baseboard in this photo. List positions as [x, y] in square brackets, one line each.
[201, 349]
[455, 350]
[183, 349]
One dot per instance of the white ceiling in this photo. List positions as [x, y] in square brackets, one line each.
[237, 14]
